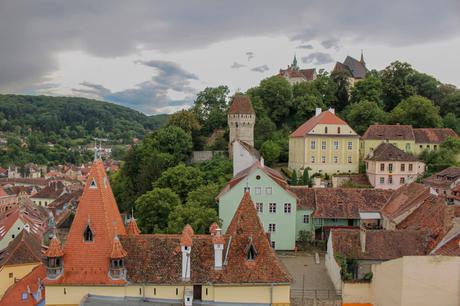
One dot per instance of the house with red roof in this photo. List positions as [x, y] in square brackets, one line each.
[27, 291]
[325, 144]
[102, 259]
[294, 75]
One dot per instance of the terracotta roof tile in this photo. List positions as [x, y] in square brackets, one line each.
[404, 198]
[30, 284]
[433, 135]
[117, 249]
[186, 238]
[54, 248]
[325, 117]
[389, 152]
[241, 104]
[53, 191]
[450, 247]
[132, 228]
[443, 178]
[390, 132]
[25, 248]
[213, 228]
[307, 74]
[305, 197]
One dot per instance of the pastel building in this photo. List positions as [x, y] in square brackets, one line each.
[103, 262]
[388, 167]
[325, 144]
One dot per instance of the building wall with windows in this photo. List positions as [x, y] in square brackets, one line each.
[368, 145]
[9, 274]
[393, 174]
[276, 207]
[304, 221]
[12, 233]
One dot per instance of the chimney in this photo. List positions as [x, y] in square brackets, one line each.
[218, 242]
[262, 162]
[362, 238]
[332, 110]
[318, 111]
[186, 248]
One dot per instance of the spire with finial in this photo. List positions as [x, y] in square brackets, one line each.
[294, 63]
[362, 57]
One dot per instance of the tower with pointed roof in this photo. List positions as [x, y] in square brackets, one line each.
[241, 121]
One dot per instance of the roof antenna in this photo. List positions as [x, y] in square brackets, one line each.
[132, 212]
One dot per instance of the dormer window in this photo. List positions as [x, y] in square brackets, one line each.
[88, 234]
[93, 184]
[251, 254]
[117, 268]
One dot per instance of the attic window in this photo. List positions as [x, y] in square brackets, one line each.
[251, 255]
[88, 234]
[93, 184]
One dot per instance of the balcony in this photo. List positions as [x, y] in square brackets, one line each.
[117, 273]
[54, 272]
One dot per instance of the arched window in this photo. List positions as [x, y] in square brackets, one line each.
[88, 234]
[251, 254]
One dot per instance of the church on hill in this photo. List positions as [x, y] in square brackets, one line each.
[293, 74]
[104, 261]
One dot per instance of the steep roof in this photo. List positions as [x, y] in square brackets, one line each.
[325, 117]
[380, 244]
[433, 135]
[25, 248]
[305, 197]
[163, 253]
[347, 203]
[241, 104]
[54, 248]
[390, 132]
[404, 198]
[132, 228]
[30, 284]
[253, 151]
[357, 68]
[389, 152]
[7, 221]
[88, 262]
[307, 74]
[450, 247]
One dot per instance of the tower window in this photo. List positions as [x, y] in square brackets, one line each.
[93, 184]
[251, 253]
[88, 234]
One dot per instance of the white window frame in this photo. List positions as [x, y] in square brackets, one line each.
[350, 145]
[272, 208]
[258, 190]
[268, 190]
[307, 218]
[272, 227]
[287, 208]
[336, 145]
[323, 145]
[312, 144]
[260, 207]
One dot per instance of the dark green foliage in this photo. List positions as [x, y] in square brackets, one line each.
[173, 140]
[293, 180]
[306, 179]
[452, 121]
[446, 156]
[276, 95]
[395, 84]
[451, 104]
[369, 89]
[270, 150]
[362, 114]
[200, 218]
[418, 112]
[181, 179]
[218, 170]
[343, 89]
[211, 106]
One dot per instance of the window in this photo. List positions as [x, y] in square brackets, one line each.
[10, 275]
[306, 219]
[336, 159]
[93, 184]
[24, 296]
[323, 159]
[258, 190]
[403, 167]
[336, 145]
[88, 234]
[258, 177]
[312, 159]
[251, 253]
[273, 244]
[411, 167]
[338, 130]
[390, 179]
[382, 167]
[154, 291]
[382, 180]
[312, 144]
[260, 207]
[325, 130]
[350, 145]
[323, 145]
[268, 190]
[435, 147]
[390, 167]
[428, 146]
[350, 160]
[177, 291]
[272, 228]
[402, 180]
[407, 147]
[287, 208]
[272, 208]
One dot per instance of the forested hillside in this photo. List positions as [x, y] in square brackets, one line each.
[46, 129]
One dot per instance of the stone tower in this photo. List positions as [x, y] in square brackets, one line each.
[241, 120]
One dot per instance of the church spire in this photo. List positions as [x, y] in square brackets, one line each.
[362, 57]
[294, 63]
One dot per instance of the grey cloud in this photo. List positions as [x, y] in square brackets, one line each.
[150, 96]
[250, 55]
[331, 43]
[260, 69]
[236, 65]
[33, 32]
[309, 47]
[318, 58]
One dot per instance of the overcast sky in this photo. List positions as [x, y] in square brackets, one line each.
[154, 56]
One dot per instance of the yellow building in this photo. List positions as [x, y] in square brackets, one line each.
[104, 261]
[325, 144]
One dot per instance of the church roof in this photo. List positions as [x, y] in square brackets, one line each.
[241, 104]
[87, 262]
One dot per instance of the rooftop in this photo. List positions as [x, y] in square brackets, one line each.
[326, 117]
[389, 152]
[390, 132]
[433, 135]
[30, 284]
[241, 104]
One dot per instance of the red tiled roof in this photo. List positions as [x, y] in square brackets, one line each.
[7, 221]
[241, 105]
[305, 197]
[443, 178]
[449, 248]
[29, 284]
[380, 244]
[404, 198]
[3, 193]
[433, 135]
[389, 152]
[132, 228]
[347, 203]
[213, 228]
[186, 238]
[53, 191]
[390, 132]
[307, 74]
[325, 117]
[88, 262]
[54, 248]
[117, 249]
[25, 248]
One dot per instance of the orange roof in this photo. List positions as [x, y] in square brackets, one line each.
[187, 234]
[241, 105]
[54, 249]
[87, 262]
[29, 284]
[213, 228]
[325, 117]
[132, 229]
[117, 250]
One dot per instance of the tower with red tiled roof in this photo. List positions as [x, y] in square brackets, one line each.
[89, 245]
[241, 120]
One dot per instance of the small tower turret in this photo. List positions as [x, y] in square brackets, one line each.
[54, 259]
[241, 120]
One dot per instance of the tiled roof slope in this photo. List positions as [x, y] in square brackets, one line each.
[25, 248]
[325, 117]
[241, 104]
[346, 203]
[433, 135]
[305, 197]
[357, 68]
[53, 191]
[54, 248]
[394, 132]
[404, 198]
[31, 283]
[157, 258]
[380, 244]
[132, 228]
[449, 248]
[389, 152]
[443, 178]
[88, 262]
[307, 74]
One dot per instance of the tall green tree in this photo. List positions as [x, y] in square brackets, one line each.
[181, 179]
[451, 103]
[276, 94]
[172, 140]
[200, 218]
[362, 114]
[211, 107]
[343, 89]
[418, 112]
[186, 120]
[424, 85]
[395, 84]
[270, 150]
[369, 89]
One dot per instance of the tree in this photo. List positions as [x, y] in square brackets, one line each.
[369, 89]
[204, 196]
[395, 84]
[451, 104]
[153, 209]
[293, 180]
[446, 156]
[452, 121]
[263, 130]
[186, 120]
[424, 85]
[362, 114]
[306, 98]
[306, 179]
[218, 170]
[270, 151]
[276, 94]
[343, 88]
[200, 218]
[211, 107]
[172, 140]
[181, 179]
[418, 112]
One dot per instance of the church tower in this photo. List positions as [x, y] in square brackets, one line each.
[241, 120]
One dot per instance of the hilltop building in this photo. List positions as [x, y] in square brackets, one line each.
[294, 75]
[325, 144]
[355, 69]
[102, 260]
[241, 119]
[388, 167]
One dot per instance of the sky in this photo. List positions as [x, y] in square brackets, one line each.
[155, 56]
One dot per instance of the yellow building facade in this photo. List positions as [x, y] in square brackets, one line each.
[9, 274]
